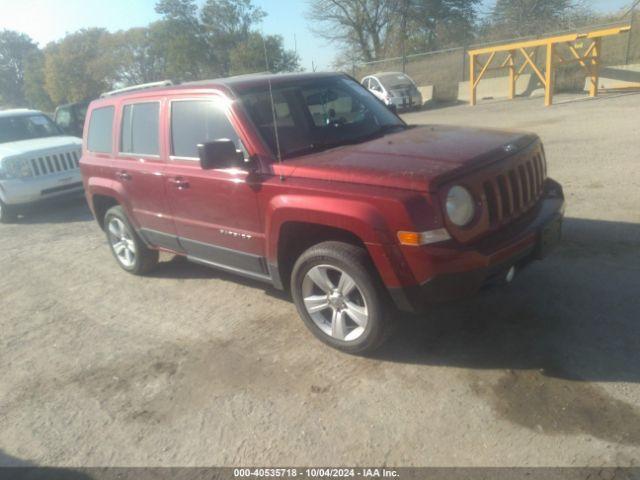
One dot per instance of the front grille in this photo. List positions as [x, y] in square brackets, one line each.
[59, 162]
[516, 190]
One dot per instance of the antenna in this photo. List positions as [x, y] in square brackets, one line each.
[273, 107]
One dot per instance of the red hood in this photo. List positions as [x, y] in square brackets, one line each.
[418, 158]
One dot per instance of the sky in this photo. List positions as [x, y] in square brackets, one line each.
[49, 20]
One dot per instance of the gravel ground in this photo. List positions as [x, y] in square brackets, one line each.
[191, 366]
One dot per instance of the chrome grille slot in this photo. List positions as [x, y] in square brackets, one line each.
[34, 166]
[516, 190]
[54, 163]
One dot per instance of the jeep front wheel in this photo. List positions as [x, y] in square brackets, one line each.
[7, 214]
[340, 298]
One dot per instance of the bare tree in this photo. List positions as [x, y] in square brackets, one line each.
[373, 29]
[359, 24]
[533, 17]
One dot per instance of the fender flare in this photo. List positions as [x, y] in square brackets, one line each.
[108, 188]
[358, 218]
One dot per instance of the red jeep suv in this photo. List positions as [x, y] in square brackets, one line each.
[309, 183]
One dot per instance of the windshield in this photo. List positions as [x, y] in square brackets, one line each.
[25, 127]
[396, 80]
[318, 114]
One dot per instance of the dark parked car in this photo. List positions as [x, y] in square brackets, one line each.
[70, 117]
[309, 183]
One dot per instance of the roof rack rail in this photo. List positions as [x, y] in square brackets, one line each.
[242, 75]
[133, 88]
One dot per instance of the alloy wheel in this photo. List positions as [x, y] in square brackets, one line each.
[335, 303]
[122, 242]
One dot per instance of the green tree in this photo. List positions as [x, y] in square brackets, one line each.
[216, 40]
[34, 83]
[76, 68]
[249, 56]
[135, 56]
[179, 38]
[15, 49]
[226, 24]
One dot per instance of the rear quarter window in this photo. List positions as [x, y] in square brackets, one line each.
[100, 130]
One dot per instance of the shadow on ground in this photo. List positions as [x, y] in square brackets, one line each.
[574, 316]
[68, 210]
[13, 468]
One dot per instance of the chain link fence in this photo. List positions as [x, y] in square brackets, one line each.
[445, 69]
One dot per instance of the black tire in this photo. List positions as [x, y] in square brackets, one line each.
[144, 259]
[355, 262]
[7, 213]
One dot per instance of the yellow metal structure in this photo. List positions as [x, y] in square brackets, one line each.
[588, 56]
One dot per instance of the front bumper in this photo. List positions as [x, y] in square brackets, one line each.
[32, 190]
[529, 239]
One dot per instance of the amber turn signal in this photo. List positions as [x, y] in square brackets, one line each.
[416, 239]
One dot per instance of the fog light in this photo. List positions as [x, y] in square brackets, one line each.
[511, 274]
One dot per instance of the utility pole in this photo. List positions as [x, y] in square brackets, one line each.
[403, 33]
[631, 32]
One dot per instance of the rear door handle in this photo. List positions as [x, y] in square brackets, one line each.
[179, 183]
[122, 175]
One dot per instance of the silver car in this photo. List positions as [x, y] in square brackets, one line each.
[394, 88]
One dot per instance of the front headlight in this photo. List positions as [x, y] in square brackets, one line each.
[460, 206]
[15, 168]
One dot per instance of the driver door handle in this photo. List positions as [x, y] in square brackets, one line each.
[179, 182]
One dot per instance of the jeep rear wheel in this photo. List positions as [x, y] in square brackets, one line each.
[7, 214]
[340, 298]
[127, 247]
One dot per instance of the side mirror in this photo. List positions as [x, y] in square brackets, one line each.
[220, 154]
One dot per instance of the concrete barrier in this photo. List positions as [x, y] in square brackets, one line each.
[427, 93]
[618, 77]
[497, 87]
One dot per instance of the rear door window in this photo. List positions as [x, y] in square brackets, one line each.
[198, 121]
[139, 133]
[100, 130]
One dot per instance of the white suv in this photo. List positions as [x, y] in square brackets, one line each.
[37, 161]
